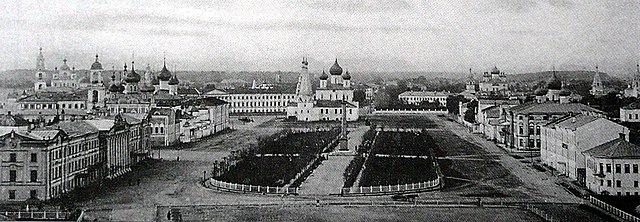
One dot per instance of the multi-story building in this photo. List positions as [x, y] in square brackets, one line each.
[612, 168]
[247, 100]
[204, 117]
[527, 119]
[413, 97]
[630, 113]
[565, 139]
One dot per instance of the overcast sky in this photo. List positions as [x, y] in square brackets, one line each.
[365, 35]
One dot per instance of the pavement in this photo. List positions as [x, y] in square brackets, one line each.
[540, 185]
[328, 178]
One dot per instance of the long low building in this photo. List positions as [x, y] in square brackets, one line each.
[273, 100]
[416, 97]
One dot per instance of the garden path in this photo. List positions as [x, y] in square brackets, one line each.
[328, 177]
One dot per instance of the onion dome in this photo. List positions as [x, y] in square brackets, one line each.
[564, 92]
[335, 69]
[165, 74]
[554, 83]
[346, 76]
[495, 70]
[132, 77]
[64, 65]
[155, 81]
[324, 76]
[96, 65]
[113, 87]
[174, 80]
[540, 92]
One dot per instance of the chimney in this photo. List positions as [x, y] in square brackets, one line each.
[573, 119]
[623, 136]
[8, 113]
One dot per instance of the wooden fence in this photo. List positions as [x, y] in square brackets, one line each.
[398, 188]
[252, 188]
[613, 210]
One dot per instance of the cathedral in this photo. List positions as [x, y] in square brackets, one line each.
[326, 104]
[597, 88]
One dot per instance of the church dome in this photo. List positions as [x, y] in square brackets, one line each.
[335, 69]
[113, 87]
[174, 80]
[64, 65]
[165, 74]
[96, 65]
[346, 76]
[540, 92]
[495, 70]
[132, 77]
[155, 82]
[554, 83]
[324, 76]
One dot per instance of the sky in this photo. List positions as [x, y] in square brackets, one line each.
[517, 36]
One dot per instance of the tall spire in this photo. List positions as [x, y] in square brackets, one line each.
[40, 61]
[303, 88]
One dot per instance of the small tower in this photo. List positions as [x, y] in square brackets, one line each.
[95, 73]
[131, 80]
[346, 80]
[597, 89]
[40, 83]
[471, 83]
[323, 80]
[303, 88]
[164, 77]
[636, 78]
[336, 73]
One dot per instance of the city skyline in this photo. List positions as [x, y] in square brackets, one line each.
[226, 35]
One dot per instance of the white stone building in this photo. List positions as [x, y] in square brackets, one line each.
[612, 168]
[413, 97]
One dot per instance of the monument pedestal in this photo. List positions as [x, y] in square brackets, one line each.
[343, 144]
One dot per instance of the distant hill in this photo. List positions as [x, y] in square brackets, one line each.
[562, 75]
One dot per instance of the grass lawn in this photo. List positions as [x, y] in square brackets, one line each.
[391, 171]
[419, 144]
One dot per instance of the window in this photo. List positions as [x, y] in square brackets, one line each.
[33, 193]
[627, 168]
[34, 176]
[521, 130]
[618, 183]
[12, 176]
[34, 157]
[12, 194]
[13, 157]
[635, 168]
[601, 182]
[608, 168]
[618, 168]
[601, 168]
[609, 183]
[635, 183]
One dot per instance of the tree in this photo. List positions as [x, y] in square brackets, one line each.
[470, 114]
[209, 87]
[453, 102]
[382, 99]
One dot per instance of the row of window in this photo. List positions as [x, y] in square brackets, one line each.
[13, 176]
[32, 194]
[631, 116]
[261, 97]
[53, 106]
[627, 168]
[13, 157]
[618, 183]
[263, 104]
[335, 111]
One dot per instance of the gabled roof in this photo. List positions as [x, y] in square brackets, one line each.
[75, 128]
[12, 120]
[101, 124]
[574, 122]
[40, 134]
[492, 111]
[133, 118]
[424, 93]
[615, 149]
[332, 104]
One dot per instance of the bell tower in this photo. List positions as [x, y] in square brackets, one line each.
[40, 83]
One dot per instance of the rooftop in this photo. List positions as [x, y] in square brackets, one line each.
[573, 122]
[424, 93]
[552, 108]
[615, 149]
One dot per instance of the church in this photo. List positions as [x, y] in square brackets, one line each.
[326, 104]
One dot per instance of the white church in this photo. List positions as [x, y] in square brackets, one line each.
[326, 104]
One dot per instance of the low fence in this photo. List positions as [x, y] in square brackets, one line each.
[252, 188]
[37, 215]
[613, 210]
[399, 188]
[410, 111]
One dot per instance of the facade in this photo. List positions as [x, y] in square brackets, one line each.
[326, 104]
[612, 168]
[630, 113]
[165, 127]
[527, 119]
[204, 117]
[411, 97]
[565, 139]
[274, 100]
